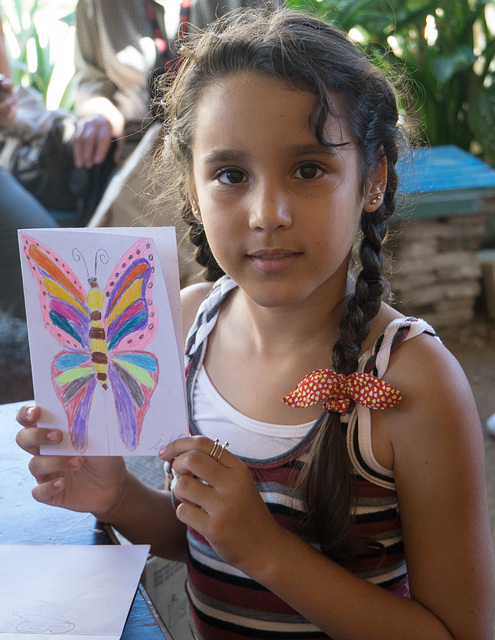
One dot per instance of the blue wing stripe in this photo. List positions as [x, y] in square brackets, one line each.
[71, 360]
[140, 359]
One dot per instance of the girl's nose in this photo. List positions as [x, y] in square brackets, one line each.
[270, 210]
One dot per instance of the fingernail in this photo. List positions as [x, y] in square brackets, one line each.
[29, 412]
[52, 436]
[59, 483]
[75, 462]
[162, 453]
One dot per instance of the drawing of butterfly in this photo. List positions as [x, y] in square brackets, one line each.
[103, 333]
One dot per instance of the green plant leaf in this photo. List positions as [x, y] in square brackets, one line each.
[444, 67]
[481, 121]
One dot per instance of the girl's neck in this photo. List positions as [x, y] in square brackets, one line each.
[306, 327]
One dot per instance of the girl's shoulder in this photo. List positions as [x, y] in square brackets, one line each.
[191, 298]
[422, 364]
[438, 407]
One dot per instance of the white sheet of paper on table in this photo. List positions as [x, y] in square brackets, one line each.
[69, 590]
[165, 416]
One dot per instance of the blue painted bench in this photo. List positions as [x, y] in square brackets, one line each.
[445, 181]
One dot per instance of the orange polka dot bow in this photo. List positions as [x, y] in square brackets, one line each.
[337, 391]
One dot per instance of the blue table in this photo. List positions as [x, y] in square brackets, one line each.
[23, 521]
[445, 181]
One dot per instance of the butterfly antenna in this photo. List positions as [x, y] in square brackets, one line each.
[102, 256]
[78, 256]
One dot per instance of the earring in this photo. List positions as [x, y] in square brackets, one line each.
[376, 199]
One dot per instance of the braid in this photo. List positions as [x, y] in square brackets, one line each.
[203, 255]
[330, 513]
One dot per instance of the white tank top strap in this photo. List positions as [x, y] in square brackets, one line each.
[207, 315]
[359, 443]
[416, 327]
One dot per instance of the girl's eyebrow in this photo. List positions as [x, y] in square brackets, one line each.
[222, 155]
[312, 149]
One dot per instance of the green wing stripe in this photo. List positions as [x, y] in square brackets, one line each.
[73, 374]
[140, 374]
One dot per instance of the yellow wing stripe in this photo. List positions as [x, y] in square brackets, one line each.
[54, 289]
[132, 294]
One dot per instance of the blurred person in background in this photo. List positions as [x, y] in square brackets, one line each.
[18, 208]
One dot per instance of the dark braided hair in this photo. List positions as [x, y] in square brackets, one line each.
[309, 54]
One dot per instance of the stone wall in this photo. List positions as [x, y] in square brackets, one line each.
[435, 271]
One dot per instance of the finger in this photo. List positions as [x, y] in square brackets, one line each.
[191, 490]
[28, 416]
[102, 145]
[214, 450]
[47, 491]
[30, 438]
[117, 157]
[45, 467]
[84, 144]
[198, 464]
[87, 146]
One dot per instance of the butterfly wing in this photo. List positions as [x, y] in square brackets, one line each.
[133, 376]
[74, 380]
[130, 316]
[62, 297]
[131, 323]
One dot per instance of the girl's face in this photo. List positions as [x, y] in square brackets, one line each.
[280, 210]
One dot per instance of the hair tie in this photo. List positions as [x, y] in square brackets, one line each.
[336, 391]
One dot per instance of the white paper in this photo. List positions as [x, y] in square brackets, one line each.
[70, 590]
[163, 417]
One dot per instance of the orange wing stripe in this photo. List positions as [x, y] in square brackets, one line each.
[54, 272]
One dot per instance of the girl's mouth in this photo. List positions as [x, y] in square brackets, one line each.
[273, 260]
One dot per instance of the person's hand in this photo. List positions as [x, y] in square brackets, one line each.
[8, 103]
[91, 142]
[219, 499]
[86, 484]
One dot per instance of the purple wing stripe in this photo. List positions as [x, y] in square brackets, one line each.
[79, 433]
[126, 415]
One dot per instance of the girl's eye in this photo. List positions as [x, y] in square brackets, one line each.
[231, 176]
[308, 172]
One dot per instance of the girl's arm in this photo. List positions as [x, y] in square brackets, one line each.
[4, 60]
[439, 470]
[102, 486]
[8, 100]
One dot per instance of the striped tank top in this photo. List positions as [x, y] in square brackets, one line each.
[227, 604]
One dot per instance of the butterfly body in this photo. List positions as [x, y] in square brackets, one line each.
[103, 332]
[97, 333]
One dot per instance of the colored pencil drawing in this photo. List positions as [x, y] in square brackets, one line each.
[103, 332]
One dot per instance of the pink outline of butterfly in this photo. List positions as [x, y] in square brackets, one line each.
[127, 319]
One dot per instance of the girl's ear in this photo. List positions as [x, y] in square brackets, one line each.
[195, 210]
[376, 185]
[194, 203]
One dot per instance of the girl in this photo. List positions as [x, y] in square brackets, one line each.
[367, 519]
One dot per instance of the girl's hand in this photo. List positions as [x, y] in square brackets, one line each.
[220, 500]
[86, 484]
